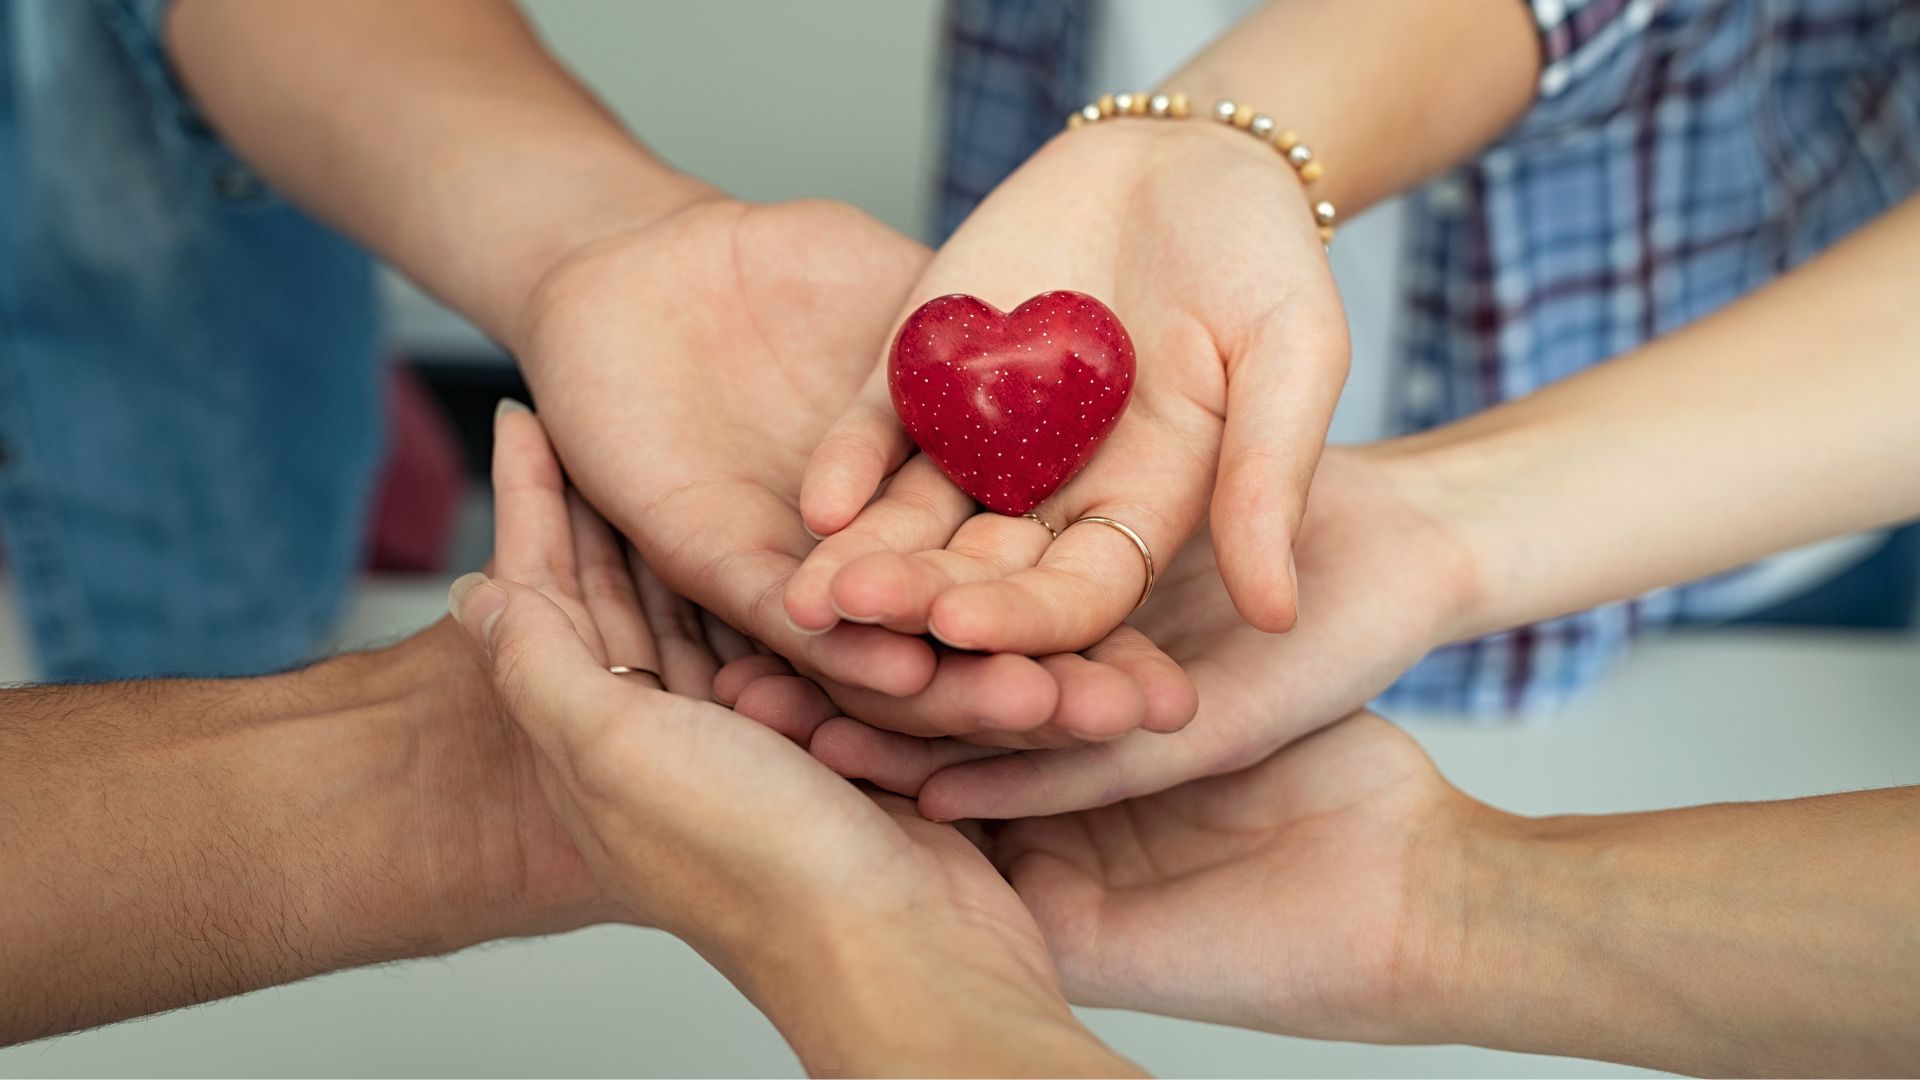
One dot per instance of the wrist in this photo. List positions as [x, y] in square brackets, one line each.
[1205, 86]
[1449, 528]
[625, 207]
[1533, 962]
[1491, 482]
[1469, 974]
[868, 1000]
[436, 833]
[1137, 142]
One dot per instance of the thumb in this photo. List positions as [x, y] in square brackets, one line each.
[862, 448]
[1281, 392]
[538, 663]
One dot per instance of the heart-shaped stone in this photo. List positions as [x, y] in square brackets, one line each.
[1011, 406]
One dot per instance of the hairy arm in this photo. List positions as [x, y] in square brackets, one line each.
[439, 133]
[169, 842]
[1771, 938]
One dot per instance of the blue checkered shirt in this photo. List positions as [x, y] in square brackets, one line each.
[1680, 154]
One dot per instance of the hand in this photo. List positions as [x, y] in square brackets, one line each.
[1384, 578]
[475, 770]
[1309, 895]
[876, 940]
[688, 368]
[1204, 244]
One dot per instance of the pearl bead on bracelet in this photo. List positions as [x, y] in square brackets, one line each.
[1298, 155]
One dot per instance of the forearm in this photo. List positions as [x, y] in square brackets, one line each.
[1743, 939]
[1363, 81]
[170, 842]
[439, 133]
[1785, 418]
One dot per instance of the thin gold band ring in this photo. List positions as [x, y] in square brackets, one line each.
[1051, 531]
[1146, 553]
[622, 669]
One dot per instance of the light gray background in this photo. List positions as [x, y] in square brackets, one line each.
[833, 98]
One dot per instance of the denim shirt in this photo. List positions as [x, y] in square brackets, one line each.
[189, 369]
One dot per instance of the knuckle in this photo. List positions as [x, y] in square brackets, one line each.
[513, 659]
[912, 501]
[605, 582]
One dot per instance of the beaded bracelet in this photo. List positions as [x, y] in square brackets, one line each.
[1261, 126]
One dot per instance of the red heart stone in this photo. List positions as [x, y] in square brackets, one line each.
[1011, 406]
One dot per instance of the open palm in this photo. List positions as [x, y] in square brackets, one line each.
[688, 370]
[696, 819]
[1381, 581]
[1292, 897]
[1202, 243]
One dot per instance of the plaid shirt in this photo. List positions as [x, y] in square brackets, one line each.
[1680, 154]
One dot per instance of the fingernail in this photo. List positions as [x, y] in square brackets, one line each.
[864, 620]
[810, 532]
[1293, 579]
[805, 631]
[508, 405]
[934, 629]
[476, 612]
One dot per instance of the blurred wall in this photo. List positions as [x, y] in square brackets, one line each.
[767, 99]
[775, 99]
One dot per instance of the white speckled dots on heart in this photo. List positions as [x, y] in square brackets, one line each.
[1010, 406]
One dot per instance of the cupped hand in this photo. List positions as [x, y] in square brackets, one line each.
[1202, 242]
[1384, 578]
[688, 368]
[1309, 895]
[712, 826]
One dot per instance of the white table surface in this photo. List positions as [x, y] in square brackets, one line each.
[1691, 719]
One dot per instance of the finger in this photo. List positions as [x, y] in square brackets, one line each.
[789, 704]
[539, 664]
[687, 662]
[863, 447]
[896, 762]
[735, 675]
[1152, 477]
[1041, 782]
[619, 631]
[1170, 696]
[1002, 693]
[1097, 701]
[964, 838]
[898, 590]
[895, 665]
[920, 509]
[1009, 701]
[728, 643]
[1086, 583]
[1281, 392]
[533, 541]
[532, 527]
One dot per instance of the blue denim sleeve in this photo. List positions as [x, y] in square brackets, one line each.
[140, 26]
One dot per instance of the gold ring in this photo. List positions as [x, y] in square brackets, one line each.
[1146, 553]
[622, 669]
[1051, 531]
